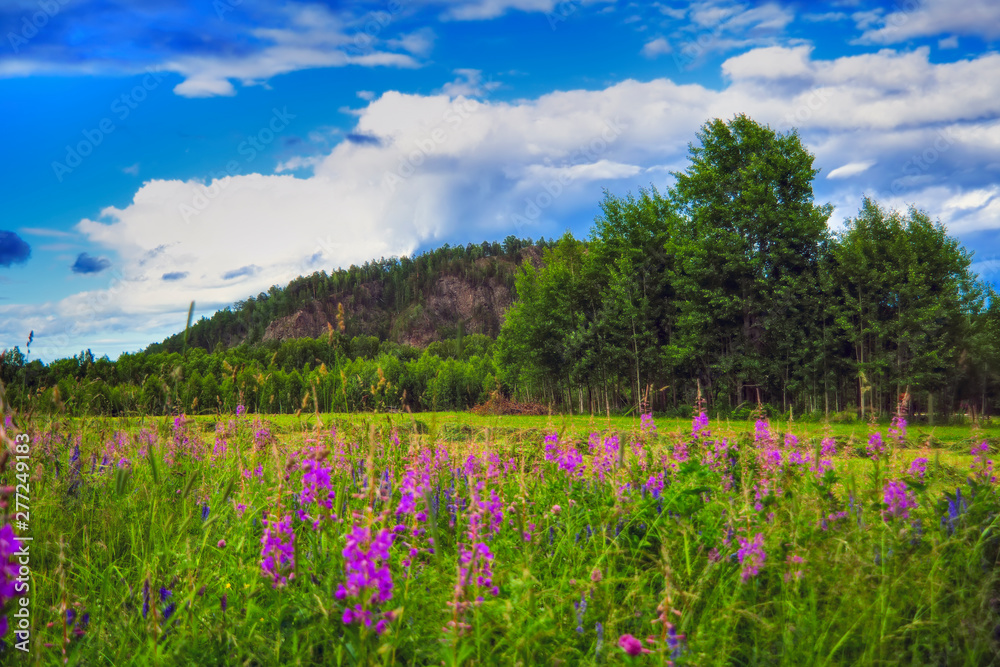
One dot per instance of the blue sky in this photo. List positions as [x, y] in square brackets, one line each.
[160, 152]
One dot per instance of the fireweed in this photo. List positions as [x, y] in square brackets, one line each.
[486, 530]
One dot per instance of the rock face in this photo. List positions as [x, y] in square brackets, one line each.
[477, 305]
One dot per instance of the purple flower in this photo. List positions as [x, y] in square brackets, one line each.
[875, 446]
[278, 551]
[367, 567]
[145, 598]
[898, 499]
[647, 426]
[898, 428]
[631, 645]
[829, 447]
[751, 555]
[699, 424]
[918, 468]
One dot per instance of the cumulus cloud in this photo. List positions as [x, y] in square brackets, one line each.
[929, 18]
[436, 167]
[13, 249]
[213, 55]
[656, 47]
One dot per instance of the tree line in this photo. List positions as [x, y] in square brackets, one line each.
[732, 285]
[729, 286]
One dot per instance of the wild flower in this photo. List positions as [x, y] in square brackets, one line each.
[581, 610]
[317, 487]
[605, 454]
[898, 499]
[654, 485]
[918, 468]
[680, 452]
[897, 430]
[9, 547]
[631, 645]
[599, 629]
[278, 551]
[875, 446]
[366, 563]
[699, 426]
[751, 556]
[647, 427]
[981, 466]
[828, 447]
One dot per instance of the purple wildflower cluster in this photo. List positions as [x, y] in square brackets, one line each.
[9, 546]
[278, 551]
[751, 556]
[368, 580]
[699, 426]
[604, 453]
[875, 446]
[647, 427]
[567, 458]
[898, 499]
[982, 468]
[918, 468]
[317, 488]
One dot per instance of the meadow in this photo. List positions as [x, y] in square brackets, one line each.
[461, 539]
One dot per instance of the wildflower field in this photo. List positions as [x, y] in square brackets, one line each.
[244, 540]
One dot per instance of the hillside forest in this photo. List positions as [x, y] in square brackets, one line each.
[730, 285]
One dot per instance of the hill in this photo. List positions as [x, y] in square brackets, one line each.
[413, 301]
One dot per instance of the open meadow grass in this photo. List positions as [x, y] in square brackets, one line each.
[458, 539]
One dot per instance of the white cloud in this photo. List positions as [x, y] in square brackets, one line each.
[930, 18]
[948, 42]
[773, 62]
[436, 166]
[477, 10]
[469, 83]
[656, 47]
[851, 169]
[825, 17]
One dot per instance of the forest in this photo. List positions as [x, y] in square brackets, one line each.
[730, 285]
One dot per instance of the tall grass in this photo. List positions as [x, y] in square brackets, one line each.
[588, 541]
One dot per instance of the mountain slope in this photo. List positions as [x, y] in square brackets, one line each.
[414, 301]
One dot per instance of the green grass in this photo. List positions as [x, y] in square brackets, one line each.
[869, 590]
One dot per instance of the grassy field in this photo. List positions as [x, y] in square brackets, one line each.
[455, 538]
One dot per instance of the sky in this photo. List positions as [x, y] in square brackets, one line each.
[161, 152]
